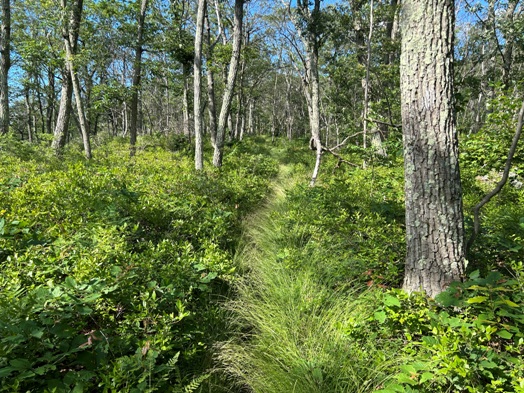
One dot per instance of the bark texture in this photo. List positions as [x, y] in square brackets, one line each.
[197, 75]
[5, 64]
[211, 107]
[137, 75]
[78, 99]
[230, 85]
[434, 216]
[70, 31]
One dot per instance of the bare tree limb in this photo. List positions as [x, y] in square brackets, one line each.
[383, 122]
[345, 140]
[500, 184]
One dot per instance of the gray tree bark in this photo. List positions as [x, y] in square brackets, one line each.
[197, 75]
[311, 82]
[230, 85]
[211, 107]
[78, 99]
[434, 215]
[185, 100]
[70, 31]
[5, 64]
[137, 75]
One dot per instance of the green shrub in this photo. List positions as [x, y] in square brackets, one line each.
[113, 265]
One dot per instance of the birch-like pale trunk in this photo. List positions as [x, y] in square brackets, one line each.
[78, 99]
[230, 85]
[197, 75]
[70, 29]
[433, 192]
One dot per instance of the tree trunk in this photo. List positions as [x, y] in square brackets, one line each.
[70, 31]
[50, 110]
[78, 99]
[228, 91]
[64, 112]
[434, 216]
[5, 64]
[199, 161]
[315, 110]
[211, 107]
[137, 75]
[365, 82]
[185, 100]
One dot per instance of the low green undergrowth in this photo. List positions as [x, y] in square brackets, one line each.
[303, 305]
[111, 268]
[470, 339]
[318, 309]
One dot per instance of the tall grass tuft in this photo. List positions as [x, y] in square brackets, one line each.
[295, 334]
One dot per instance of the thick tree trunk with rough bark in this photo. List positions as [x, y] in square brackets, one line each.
[137, 75]
[230, 85]
[199, 163]
[434, 217]
[5, 64]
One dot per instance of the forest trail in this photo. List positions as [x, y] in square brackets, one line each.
[287, 325]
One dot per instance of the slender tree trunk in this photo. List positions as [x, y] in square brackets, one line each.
[38, 90]
[29, 115]
[274, 109]
[250, 122]
[137, 75]
[365, 82]
[64, 112]
[50, 110]
[199, 160]
[5, 64]
[70, 31]
[211, 107]
[507, 54]
[78, 99]
[228, 91]
[434, 216]
[185, 100]
[315, 111]
[391, 30]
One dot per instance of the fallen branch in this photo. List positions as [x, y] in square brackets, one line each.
[500, 184]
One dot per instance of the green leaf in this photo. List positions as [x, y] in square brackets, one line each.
[477, 299]
[447, 299]
[474, 275]
[6, 371]
[427, 376]
[70, 283]
[20, 364]
[391, 301]
[504, 334]
[37, 333]
[429, 340]
[488, 364]
[509, 303]
[380, 316]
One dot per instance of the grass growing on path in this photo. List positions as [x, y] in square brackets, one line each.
[296, 332]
